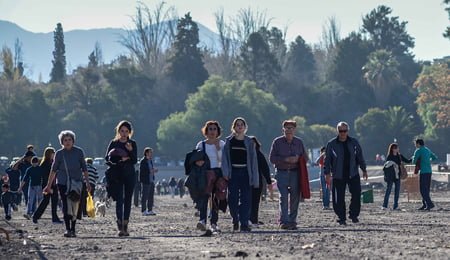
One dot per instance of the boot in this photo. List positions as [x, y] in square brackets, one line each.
[72, 228]
[125, 228]
[67, 223]
[120, 228]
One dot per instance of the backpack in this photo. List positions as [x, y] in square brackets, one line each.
[187, 158]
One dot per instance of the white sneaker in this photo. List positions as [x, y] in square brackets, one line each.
[215, 228]
[151, 213]
[201, 225]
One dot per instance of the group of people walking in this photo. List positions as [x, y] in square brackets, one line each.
[222, 173]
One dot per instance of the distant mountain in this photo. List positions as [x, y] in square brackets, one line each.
[37, 47]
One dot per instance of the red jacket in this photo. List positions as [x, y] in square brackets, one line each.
[303, 179]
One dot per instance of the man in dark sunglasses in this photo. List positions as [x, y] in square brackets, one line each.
[343, 156]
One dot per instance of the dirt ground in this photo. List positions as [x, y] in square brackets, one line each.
[406, 234]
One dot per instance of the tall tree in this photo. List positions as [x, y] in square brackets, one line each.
[258, 64]
[185, 65]
[447, 8]
[381, 73]
[153, 30]
[300, 65]
[387, 32]
[58, 73]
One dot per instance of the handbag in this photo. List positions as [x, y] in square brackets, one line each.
[90, 207]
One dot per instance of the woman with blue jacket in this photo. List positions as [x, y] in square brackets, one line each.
[240, 167]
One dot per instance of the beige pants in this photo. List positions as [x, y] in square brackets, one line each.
[72, 208]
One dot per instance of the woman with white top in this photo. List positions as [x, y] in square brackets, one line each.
[213, 147]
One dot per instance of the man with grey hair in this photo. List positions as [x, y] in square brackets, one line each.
[342, 158]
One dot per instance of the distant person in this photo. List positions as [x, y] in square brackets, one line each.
[181, 188]
[284, 154]
[93, 175]
[158, 187]
[147, 173]
[46, 166]
[14, 183]
[33, 179]
[394, 156]
[240, 168]
[213, 147]
[69, 168]
[22, 165]
[264, 175]
[121, 156]
[320, 161]
[343, 156]
[172, 186]
[425, 156]
[7, 200]
[30, 148]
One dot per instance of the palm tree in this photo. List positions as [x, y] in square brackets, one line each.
[382, 74]
[400, 124]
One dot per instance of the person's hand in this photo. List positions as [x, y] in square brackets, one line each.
[292, 159]
[47, 190]
[155, 170]
[270, 187]
[226, 178]
[125, 159]
[129, 146]
[328, 180]
[365, 176]
[88, 187]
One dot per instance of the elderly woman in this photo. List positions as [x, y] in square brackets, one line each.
[240, 167]
[69, 167]
[121, 156]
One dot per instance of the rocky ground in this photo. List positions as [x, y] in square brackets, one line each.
[171, 234]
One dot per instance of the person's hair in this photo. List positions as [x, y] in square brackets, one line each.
[233, 125]
[35, 159]
[289, 122]
[390, 148]
[420, 141]
[257, 143]
[30, 146]
[342, 123]
[47, 155]
[146, 150]
[209, 123]
[127, 125]
[5, 185]
[64, 134]
[322, 148]
[89, 160]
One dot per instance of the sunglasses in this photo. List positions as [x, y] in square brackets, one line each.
[343, 131]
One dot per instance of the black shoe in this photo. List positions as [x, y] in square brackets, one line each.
[245, 229]
[8, 217]
[72, 233]
[235, 226]
[56, 221]
[68, 233]
[35, 221]
[429, 208]
[292, 227]
[422, 208]
[342, 222]
[355, 220]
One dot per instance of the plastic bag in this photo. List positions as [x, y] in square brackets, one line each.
[90, 208]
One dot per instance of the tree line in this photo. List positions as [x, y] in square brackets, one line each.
[368, 78]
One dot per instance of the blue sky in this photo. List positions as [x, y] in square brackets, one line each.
[426, 19]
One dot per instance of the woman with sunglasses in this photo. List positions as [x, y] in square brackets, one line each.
[213, 147]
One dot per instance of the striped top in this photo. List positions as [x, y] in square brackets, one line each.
[93, 175]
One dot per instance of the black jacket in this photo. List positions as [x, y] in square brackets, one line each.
[144, 171]
[263, 168]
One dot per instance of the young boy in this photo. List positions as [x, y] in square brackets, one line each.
[7, 200]
[33, 178]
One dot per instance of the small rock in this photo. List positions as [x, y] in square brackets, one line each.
[241, 254]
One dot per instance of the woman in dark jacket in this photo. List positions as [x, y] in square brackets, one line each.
[46, 165]
[395, 156]
[264, 172]
[121, 156]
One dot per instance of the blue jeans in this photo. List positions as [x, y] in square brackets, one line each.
[325, 192]
[287, 183]
[388, 193]
[34, 198]
[202, 206]
[239, 190]
[425, 184]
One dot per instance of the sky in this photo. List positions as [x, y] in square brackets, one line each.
[426, 19]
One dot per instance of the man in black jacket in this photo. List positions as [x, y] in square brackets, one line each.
[343, 156]
[147, 179]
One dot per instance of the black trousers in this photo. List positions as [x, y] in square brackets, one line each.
[148, 191]
[339, 187]
[82, 208]
[53, 197]
[137, 194]
[256, 198]
[425, 186]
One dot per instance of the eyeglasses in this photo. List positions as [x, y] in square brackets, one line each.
[343, 130]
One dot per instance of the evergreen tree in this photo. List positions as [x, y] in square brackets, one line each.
[258, 64]
[186, 64]
[58, 73]
[300, 65]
